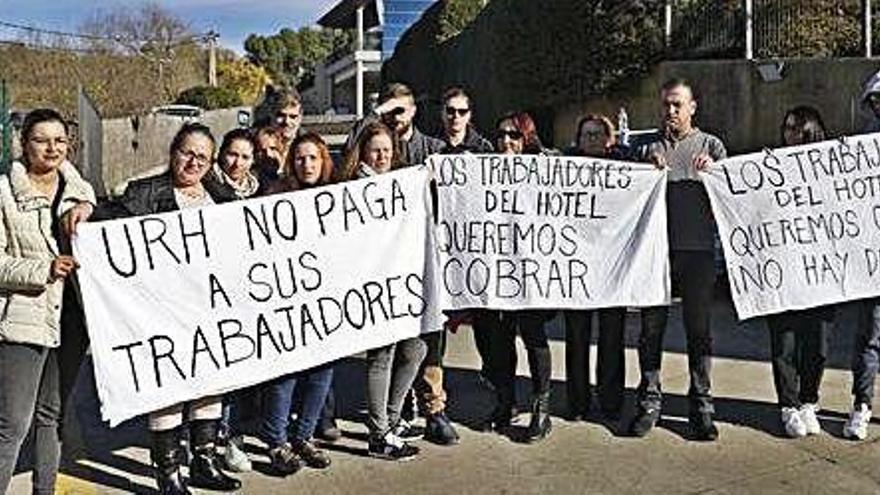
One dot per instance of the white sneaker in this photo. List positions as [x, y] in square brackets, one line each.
[794, 425]
[808, 416]
[856, 426]
[236, 460]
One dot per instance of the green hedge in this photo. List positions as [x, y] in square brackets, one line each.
[526, 54]
[210, 98]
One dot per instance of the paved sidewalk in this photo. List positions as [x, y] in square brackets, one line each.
[751, 456]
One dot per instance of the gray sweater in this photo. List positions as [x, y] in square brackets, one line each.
[690, 222]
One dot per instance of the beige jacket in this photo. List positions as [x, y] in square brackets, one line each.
[30, 306]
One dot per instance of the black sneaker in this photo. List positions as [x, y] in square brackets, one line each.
[644, 420]
[407, 432]
[439, 430]
[702, 427]
[310, 455]
[391, 448]
[283, 460]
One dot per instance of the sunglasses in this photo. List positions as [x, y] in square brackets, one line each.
[452, 111]
[511, 133]
[394, 112]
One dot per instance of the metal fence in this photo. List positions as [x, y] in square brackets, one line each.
[768, 28]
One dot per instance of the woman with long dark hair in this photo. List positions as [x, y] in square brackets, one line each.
[799, 339]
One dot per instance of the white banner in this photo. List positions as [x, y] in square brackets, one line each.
[800, 226]
[551, 232]
[200, 302]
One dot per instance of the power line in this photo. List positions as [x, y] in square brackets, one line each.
[118, 39]
[33, 29]
[32, 46]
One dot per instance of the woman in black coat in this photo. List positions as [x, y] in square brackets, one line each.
[184, 185]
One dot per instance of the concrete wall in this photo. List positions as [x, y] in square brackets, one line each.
[735, 102]
[137, 146]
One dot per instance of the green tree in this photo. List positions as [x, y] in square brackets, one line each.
[243, 77]
[289, 57]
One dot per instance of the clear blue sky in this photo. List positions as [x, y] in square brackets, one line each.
[233, 19]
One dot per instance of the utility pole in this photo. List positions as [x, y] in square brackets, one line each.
[749, 18]
[211, 38]
[867, 29]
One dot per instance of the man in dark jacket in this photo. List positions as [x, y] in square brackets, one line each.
[459, 134]
[458, 137]
[396, 109]
[683, 150]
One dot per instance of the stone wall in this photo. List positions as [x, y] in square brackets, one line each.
[735, 102]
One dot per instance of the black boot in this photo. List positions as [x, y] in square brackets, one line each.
[503, 413]
[204, 469]
[165, 454]
[539, 426]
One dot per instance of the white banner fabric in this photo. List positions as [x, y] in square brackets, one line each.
[800, 226]
[204, 301]
[523, 231]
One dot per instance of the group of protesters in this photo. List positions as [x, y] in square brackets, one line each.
[43, 338]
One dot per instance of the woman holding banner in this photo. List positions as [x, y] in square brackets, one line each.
[516, 134]
[41, 199]
[233, 169]
[391, 370]
[183, 186]
[308, 165]
[799, 339]
[595, 137]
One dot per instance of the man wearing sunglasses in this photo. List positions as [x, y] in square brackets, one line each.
[458, 133]
[458, 137]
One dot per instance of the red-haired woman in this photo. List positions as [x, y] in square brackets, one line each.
[516, 133]
[308, 165]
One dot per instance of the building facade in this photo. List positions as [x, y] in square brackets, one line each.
[348, 81]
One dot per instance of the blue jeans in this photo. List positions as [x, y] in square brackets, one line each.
[866, 358]
[277, 399]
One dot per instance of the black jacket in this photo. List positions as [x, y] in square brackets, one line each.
[473, 143]
[155, 195]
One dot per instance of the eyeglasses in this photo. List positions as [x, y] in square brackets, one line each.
[190, 155]
[511, 133]
[452, 111]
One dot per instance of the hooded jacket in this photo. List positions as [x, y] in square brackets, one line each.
[872, 86]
